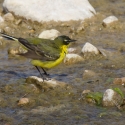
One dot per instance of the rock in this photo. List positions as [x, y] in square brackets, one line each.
[49, 34]
[94, 97]
[79, 29]
[33, 88]
[23, 101]
[89, 74]
[109, 20]
[104, 52]
[14, 50]
[47, 84]
[86, 91]
[72, 50]
[41, 10]
[18, 21]
[72, 58]
[8, 17]
[89, 48]
[8, 29]
[111, 98]
[119, 81]
[1, 19]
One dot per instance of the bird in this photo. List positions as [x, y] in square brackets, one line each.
[44, 53]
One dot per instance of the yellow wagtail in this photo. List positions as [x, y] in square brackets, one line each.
[44, 53]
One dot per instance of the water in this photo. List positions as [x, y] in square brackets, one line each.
[64, 106]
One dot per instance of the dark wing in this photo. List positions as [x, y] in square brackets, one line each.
[40, 49]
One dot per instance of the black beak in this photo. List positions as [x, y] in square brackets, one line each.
[72, 40]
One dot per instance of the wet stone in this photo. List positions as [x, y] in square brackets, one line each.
[23, 101]
[89, 74]
[46, 84]
[111, 98]
[119, 81]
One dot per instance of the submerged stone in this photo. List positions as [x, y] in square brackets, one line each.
[89, 74]
[46, 84]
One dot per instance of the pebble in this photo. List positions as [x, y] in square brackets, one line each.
[79, 29]
[49, 34]
[18, 21]
[109, 20]
[72, 58]
[72, 50]
[89, 74]
[23, 101]
[7, 29]
[14, 50]
[119, 81]
[89, 48]
[8, 17]
[1, 19]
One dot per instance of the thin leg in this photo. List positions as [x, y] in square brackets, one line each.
[42, 74]
[39, 72]
[45, 72]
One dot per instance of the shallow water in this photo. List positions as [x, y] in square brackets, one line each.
[65, 106]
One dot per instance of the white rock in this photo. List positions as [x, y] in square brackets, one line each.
[111, 98]
[49, 34]
[72, 50]
[47, 10]
[72, 58]
[88, 47]
[50, 83]
[110, 19]
[8, 17]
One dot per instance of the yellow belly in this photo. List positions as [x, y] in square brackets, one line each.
[50, 64]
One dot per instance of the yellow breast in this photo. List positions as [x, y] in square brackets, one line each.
[51, 64]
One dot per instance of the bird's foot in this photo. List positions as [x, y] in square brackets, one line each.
[45, 78]
[46, 74]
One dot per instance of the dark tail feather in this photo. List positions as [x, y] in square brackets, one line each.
[9, 37]
[21, 40]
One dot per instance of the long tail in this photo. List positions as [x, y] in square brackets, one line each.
[9, 37]
[24, 42]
